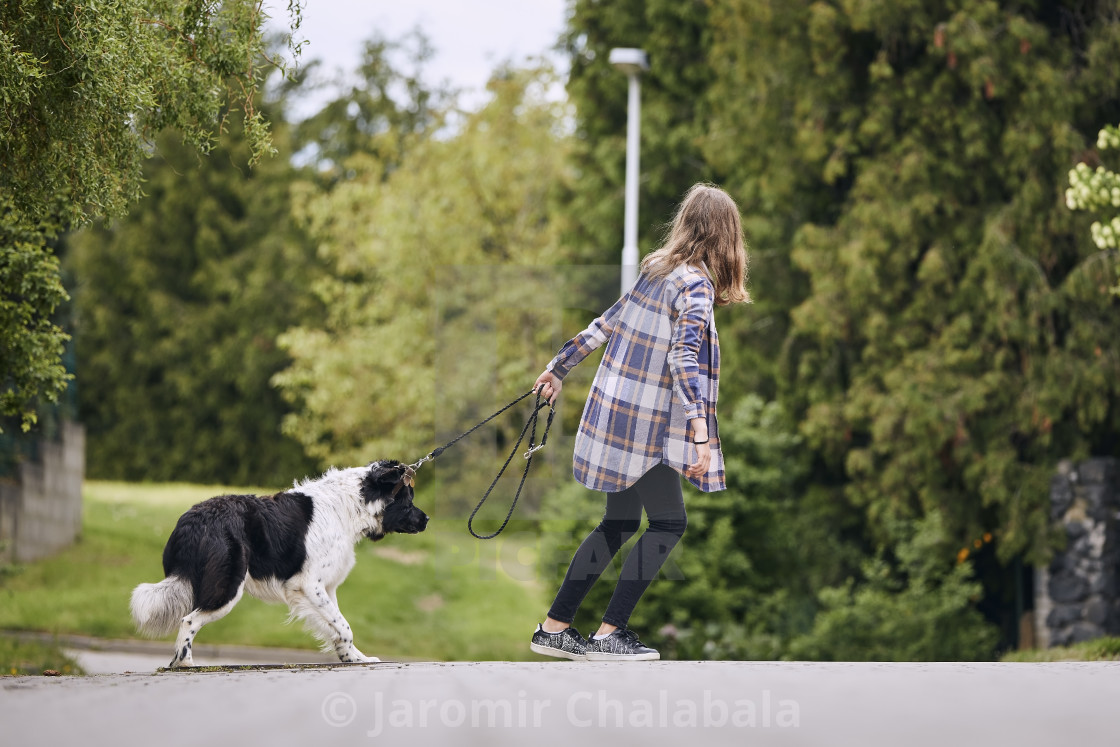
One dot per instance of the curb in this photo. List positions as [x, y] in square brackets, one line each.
[210, 651]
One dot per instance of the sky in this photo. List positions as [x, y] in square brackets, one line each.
[470, 38]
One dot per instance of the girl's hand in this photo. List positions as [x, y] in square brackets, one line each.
[703, 461]
[549, 385]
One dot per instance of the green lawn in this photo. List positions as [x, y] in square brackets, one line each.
[33, 657]
[439, 595]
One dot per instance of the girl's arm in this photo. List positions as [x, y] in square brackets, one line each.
[693, 307]
[583, 344]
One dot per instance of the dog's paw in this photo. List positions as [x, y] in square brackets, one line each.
[356, 657]
[183, 658]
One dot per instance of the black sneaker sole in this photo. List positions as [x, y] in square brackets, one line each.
[557, 653]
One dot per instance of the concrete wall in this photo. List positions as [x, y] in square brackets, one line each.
[1077, 597]
[41, 511]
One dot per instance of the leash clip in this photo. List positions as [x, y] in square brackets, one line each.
[532, 450]
[411, 468]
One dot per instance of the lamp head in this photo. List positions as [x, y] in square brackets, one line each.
[628, 60]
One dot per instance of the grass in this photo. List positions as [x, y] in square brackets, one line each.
[1098, 649]
[33, 657]
[439, 595]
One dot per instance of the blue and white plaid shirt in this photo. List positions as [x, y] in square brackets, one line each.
[660, 370]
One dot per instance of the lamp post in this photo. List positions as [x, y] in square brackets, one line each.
[633, 62]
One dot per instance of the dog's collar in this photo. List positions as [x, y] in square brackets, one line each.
[408, 476]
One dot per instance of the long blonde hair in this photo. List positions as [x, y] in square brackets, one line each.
[706, 229]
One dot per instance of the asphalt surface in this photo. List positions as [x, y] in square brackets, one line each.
[575, 703]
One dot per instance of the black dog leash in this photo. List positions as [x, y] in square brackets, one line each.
[530, 427]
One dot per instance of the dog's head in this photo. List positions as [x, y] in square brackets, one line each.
[390, 500]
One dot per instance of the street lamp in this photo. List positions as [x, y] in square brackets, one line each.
[633, 62]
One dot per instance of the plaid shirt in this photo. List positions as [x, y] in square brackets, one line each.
[660, 370]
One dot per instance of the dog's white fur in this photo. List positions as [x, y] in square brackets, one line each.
[339, 521]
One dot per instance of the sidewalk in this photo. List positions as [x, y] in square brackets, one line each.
[787, 704]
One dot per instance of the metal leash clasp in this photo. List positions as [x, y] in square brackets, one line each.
[544, 439]
[411, 468]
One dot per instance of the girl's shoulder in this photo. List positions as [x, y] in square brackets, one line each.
[687, 276]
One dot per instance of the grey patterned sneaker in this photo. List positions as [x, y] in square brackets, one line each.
[620, 645]
[567, 644]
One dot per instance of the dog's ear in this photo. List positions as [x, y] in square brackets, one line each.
[386, 471]
[382, 478]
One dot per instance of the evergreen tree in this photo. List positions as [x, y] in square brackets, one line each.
[675, 35]
[179, 306]
[954, 342]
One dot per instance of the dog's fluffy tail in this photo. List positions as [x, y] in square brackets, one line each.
[158, 608]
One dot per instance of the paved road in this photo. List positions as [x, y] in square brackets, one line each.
[684, 704]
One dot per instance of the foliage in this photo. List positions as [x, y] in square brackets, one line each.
[411, 290]
[952, 345]
[1098, 649]
[84, 90]
[30, 290]
[1098, 189]
[179, 305]
[914, 609]
[430, 578]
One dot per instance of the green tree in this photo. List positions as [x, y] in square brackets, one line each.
[84, 90]
[954, 338]
[179, 305]
[387, 110]
[954, 341]
[31, 343]
[909, 607]
[674, 34]
[423, 263]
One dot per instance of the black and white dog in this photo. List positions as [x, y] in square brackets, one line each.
[294, 547]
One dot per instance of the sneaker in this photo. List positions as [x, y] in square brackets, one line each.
[622, 644]
[567, 644]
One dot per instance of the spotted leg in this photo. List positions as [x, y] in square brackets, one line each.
[192, 623]
[318, 608]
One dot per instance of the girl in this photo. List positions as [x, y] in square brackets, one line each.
[649, 416]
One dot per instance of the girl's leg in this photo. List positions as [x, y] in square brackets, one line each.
[660, 492]
[621, 521]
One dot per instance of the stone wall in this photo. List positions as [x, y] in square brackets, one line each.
[1077, 597]
[41, 510]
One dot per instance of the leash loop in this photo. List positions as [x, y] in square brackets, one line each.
[530, 428]
[531, 423]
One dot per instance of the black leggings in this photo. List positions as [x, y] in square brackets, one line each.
[659, 492]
